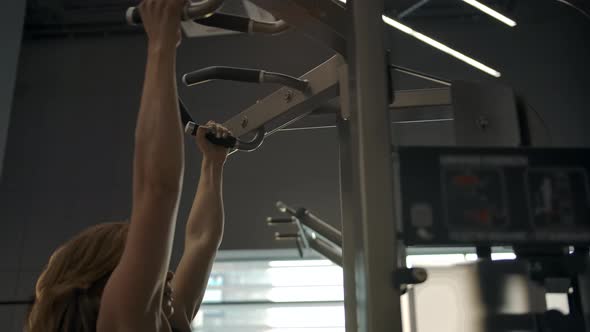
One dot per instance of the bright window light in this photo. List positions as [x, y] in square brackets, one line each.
[434, 260]
[558, 301]
[491, 12]
[440, 46]
[305, 329]
[213, 296]
[305, 276]
[305, 317]
[496, 256]
[305, 294]
[295, 263]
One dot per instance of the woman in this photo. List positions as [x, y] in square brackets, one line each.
[114, 277]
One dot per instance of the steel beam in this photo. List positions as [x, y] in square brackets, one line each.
[403, 116]
[376, 247]
[326, 249]
[349, 227]
[422, 98]
[413, 8]
[324, 21]
[286, 105]
[321, 227]
[278, 110]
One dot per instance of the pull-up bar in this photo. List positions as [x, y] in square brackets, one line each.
[243, 24]
[190, 12]
[312, 232]
[204, 13]
[243, 75]
[230, 142]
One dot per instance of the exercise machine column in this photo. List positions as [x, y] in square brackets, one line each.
[372, 210]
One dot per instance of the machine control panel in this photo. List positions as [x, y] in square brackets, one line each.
[500, 196]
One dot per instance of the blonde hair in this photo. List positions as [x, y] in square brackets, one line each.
[68, 291]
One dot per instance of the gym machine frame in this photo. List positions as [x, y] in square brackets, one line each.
[356, 75]
[370, 249]
[372, 257]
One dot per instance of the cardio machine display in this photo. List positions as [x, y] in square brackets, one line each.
[466, 196]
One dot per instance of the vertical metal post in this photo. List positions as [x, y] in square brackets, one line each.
[349, 231]
[375, 255]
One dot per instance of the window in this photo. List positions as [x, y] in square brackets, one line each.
[273, 296]
[288, 295]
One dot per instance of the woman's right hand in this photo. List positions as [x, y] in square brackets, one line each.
[161, 21]
[211, 152]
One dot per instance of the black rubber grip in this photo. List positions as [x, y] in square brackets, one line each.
[185, 118]
[226, 22]
[228, 142]
[222, 73]
[133, 16]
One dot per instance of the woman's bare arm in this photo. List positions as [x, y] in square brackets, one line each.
[133, 295]
[204, 231]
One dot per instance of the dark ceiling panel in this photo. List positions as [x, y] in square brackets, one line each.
[59, 17]
[442, 9]
[74, 16]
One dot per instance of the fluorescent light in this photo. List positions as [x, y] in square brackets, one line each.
[406, 29]
[440, 46]
[491, 12]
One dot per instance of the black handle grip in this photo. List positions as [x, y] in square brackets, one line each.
[191, 127]
[226, 22]
[228, 142]
[275, 221]
[191, 12]
[242, 24]
[222, 73]
[133, 16]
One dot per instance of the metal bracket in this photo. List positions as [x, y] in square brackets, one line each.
[312, 233]
[410, 276]
[324, 21]
[285, 106]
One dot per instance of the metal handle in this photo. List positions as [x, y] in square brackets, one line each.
[313, 222]
[230, 142]
[279, 221]
[243, 24]
[287, 236]
[243, 75]
[327, 250]
[190, 12]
